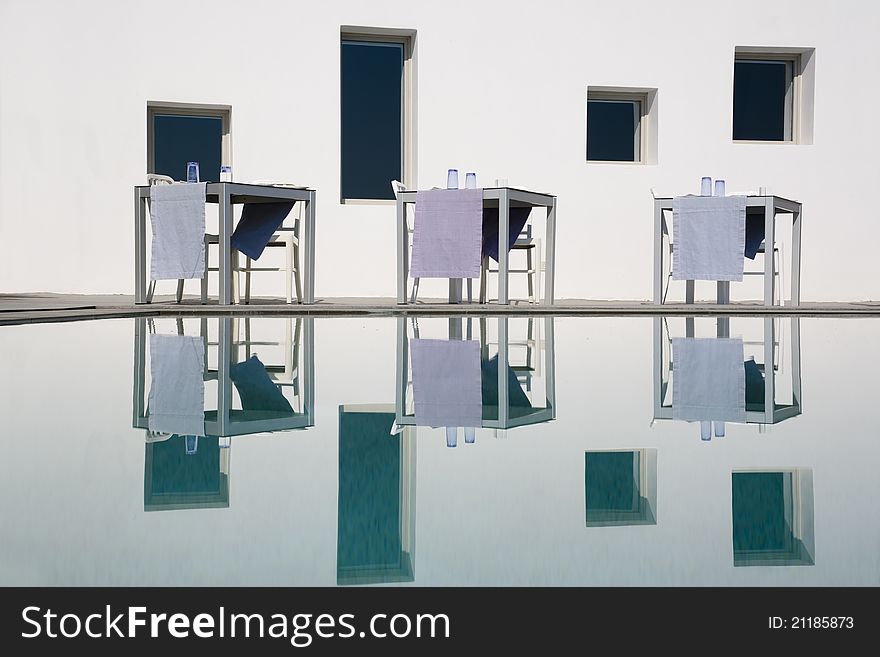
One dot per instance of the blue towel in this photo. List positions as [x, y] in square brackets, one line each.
[256, 389]
[517, 221]
[754, 233]
[754, 385]
[518, 400]
[258, 223]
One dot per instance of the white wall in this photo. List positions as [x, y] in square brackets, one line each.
[501, 91]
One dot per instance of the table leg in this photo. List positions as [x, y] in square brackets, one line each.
[769, 372]
[658, 253]
[308, 407]
[225, 246]
[550, 254]
[723, 292]
[503, 392]
[454, 290]
[309, 256]
[224, 382]
[402, 251]
[769, 243]
[689, 288]
[503, 255]
[140, 248]
[796, 256]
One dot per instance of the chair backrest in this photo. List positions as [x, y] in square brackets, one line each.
[397, 186]
[159, 179]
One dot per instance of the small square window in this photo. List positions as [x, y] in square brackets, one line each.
[617, 124]
[773, 95]
[620, 487]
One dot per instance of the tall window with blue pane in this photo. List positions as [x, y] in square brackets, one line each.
[372, 118]
[178, 139]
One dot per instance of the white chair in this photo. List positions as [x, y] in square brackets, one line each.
[524, 242]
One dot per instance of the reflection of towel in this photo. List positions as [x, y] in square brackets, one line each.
[446, 383]
[177, 390]
[709, 237]
[709, 379]
[447, 235]
[256, 389]
[177, 217]
[516, 220]
[519, 403]
[258, 223]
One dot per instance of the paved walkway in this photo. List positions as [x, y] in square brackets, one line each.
[48, 307]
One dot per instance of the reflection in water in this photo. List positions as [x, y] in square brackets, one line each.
[620, 487]
[593, 498]
[376, 518]
[773, 518]
[460, 383]
[186, 472]
[720, 379]
[183, 437]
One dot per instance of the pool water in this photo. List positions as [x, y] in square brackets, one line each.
[613, 451]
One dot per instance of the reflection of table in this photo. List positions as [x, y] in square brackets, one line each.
[225, 420]
[502, 198]
[503, 418]
[768, 412]
[225, 194]
[771, 206]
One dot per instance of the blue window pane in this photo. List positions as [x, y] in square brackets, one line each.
[372, 75]
[181, 139]
[611, 130]
[759, 90]
[610, 484]
[759, 512]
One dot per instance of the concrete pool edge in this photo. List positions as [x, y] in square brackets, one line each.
[46, 308]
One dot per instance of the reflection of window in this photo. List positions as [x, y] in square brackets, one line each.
[620, 487]
[375, 533]
[374, 97]
[186, 472]
[177, 134]
[772, 518]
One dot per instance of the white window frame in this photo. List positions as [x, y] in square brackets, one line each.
[644, 102]
[799, 90]
[407, 38]
[164, 108]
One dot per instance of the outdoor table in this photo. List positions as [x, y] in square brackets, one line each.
[225, 194]
[502, 198]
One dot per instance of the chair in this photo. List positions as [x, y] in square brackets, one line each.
[286, 237]
[778, 254]
[159, 179]
[524, 242]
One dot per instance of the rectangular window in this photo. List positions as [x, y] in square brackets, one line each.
[772, 514]
[621, 125]
[374, 97]
[620, 487]
[762, 99]
[773, 90]
[177, 134]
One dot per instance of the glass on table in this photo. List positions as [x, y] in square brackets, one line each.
[192, 172]
[452, 179]
[470, 180]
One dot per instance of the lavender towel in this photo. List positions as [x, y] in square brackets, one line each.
[177, 392]
[447, 386]
[708, 379]
[709, 237]
[448, 234]
[177, 218]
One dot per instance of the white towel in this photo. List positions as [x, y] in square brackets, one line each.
[709, 234]
[709, 381]
[177, 389]
[177, 216]
[447, 387]
[448, 234]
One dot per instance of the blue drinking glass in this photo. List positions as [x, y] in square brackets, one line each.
[192, 172]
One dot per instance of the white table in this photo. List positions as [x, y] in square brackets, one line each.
[772, 205]
[225, 194]
[502, 198]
